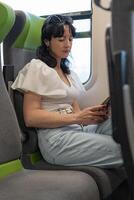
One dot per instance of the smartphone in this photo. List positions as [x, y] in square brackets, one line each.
[107, 102]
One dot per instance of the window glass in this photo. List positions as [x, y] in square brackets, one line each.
[80, 58]
[82, 25]
[81, 50]
[46, 7]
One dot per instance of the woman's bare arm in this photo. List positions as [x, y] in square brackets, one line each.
[35, 116]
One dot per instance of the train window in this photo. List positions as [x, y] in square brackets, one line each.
[81, 12]
[41, 7]
[81, 49]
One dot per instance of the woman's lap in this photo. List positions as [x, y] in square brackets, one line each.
[72, 146]
[104, 128]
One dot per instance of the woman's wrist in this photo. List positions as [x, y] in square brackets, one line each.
[76, 119]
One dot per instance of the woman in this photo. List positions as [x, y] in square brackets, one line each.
[67, 135]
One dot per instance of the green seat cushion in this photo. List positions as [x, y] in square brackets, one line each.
[31, 34]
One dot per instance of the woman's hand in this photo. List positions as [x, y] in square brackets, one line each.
[92, 115]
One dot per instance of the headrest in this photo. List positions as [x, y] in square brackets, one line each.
[7, 19]
[29, 38]
[23, 40]
[22, 24]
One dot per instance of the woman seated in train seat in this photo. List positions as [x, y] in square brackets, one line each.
[67, 135]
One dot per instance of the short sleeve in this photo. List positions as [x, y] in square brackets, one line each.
[37, 77]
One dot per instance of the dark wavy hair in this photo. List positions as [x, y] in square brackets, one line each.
[54, 27]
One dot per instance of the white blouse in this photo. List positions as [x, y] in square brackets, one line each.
[39, 78]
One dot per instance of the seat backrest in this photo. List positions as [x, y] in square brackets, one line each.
[116, 69]
[10, 135]
[19, 48]
[110, 65]
[21, 43]
[7, 19]
[123, 44]
[114, 86]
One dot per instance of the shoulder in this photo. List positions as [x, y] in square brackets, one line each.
[36, 66]
[37, 77]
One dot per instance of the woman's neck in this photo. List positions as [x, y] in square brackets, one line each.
[58, 66]
[58, 69]
[58, 63]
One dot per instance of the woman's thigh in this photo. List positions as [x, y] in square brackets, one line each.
[104, 128]
[72, 146]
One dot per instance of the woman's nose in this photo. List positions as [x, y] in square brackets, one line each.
[68, 43]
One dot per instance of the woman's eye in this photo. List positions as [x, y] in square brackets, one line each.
[61, 39]
[64, 39]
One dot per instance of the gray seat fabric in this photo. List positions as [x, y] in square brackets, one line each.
[35, 184]
[46, 185]
[107, 180]
[10, 135]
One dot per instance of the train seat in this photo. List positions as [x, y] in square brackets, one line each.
[17, 54]
[17, 182]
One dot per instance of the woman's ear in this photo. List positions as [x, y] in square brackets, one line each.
[46, 42]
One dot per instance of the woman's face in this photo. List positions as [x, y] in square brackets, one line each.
[60, 46]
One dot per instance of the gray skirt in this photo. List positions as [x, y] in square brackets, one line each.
[75, 145]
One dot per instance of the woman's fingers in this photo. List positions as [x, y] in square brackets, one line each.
[93, 115]
[98, 108]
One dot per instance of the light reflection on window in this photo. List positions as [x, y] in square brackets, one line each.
[82, 25]
[46, 7]
[80, 58]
